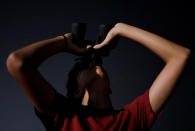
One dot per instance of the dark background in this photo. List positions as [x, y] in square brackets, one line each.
[132, 68]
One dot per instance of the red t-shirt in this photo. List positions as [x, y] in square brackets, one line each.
[136, 116]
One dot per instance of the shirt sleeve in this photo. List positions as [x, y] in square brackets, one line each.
[49, 122]
[142, 112]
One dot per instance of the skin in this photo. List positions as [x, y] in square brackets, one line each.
[22, 64]
[97, 84]
[174, 55]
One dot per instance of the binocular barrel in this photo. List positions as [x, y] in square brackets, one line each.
[78, 34]
[103, 31]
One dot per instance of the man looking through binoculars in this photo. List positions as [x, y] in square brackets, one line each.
[87, 105]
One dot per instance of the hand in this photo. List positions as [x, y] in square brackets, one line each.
[111, 35]
[73, 48]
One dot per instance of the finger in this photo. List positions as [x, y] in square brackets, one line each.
[98, 46]
[84, 50]
[95, 47]
[88, 46]
[104, 43]
[67, 34]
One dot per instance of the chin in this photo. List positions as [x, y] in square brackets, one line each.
[99, 71]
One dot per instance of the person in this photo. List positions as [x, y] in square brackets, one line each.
[87, 105]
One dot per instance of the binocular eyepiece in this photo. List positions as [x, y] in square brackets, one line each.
[78, 38]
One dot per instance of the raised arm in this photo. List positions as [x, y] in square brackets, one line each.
[22, 64]
[174, 55]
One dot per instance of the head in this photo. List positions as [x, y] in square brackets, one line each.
[89, 85]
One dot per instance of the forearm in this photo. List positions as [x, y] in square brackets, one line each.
[173, 54]
[166, 49]
[38, 52]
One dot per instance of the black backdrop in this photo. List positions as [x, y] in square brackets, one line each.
[132, 68]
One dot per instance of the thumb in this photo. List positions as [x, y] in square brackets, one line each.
[98, 46]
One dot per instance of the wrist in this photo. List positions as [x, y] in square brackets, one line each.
[116, 30]
[62, 42]
[122, 28]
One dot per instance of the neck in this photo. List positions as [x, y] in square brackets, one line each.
[85, 98]
[99, 103]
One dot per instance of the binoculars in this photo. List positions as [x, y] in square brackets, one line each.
[78, 38]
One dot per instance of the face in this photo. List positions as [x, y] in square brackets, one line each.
[96, 81]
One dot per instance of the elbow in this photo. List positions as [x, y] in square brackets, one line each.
[186, 53]
[183, 55]
[13, 62]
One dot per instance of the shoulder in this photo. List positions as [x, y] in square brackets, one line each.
[141, 100]
[141, 106]
[60, 102]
